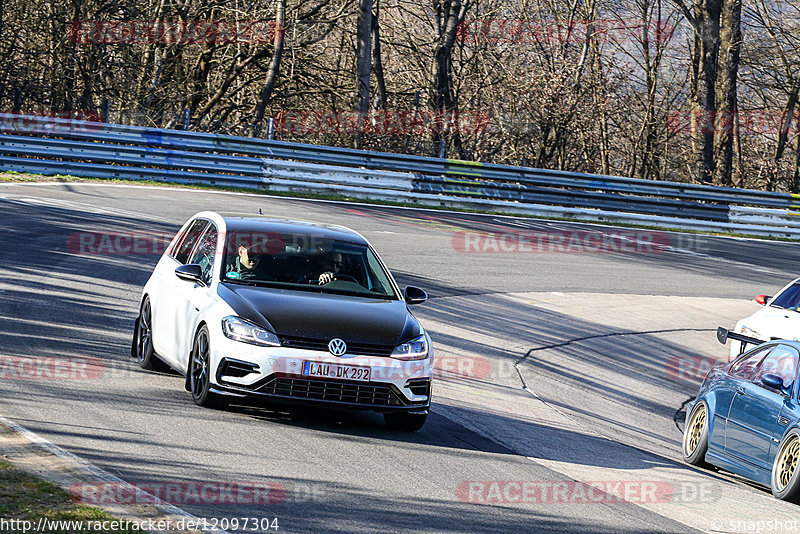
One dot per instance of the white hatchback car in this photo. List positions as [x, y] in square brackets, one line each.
[285, 311]
[778, 319]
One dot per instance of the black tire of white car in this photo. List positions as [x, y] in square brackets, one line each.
[789, 488]
[199, 372]
[697, 455]
[406, 422]
[143, 339]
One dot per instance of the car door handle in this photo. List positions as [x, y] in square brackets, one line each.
[740, 391]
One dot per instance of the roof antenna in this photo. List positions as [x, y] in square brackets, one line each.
[259, 211]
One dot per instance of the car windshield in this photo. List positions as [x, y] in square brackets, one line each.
[788, 299]
[304, 262]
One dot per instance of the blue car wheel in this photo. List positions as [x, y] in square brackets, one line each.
[695, 436]
[785, 479]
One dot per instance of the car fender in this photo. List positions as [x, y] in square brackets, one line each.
[715, 439]
[154, 288]
[211, 316]
[792, 426]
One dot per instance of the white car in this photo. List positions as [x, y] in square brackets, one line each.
[288, 312]
[778, 319]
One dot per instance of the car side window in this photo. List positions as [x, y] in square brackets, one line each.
[188, 240]
[746, 366]
[205, 251]
[782, 362]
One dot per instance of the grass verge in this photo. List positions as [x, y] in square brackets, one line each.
[27, 498]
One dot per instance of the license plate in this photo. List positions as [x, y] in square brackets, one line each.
[334, 370]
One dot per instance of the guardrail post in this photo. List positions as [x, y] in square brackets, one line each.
[17, 99]
[270, 128]
[442, 148]
[187, 118]
[105, 110]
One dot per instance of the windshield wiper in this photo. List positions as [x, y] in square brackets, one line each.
[240, 282]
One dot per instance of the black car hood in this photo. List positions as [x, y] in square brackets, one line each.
[323, 315]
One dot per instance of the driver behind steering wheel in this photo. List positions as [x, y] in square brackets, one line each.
[330, 267]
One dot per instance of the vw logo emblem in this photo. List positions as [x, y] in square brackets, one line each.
[337, 347]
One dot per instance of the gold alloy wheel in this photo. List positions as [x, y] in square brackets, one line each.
[787, 463]
[694, 431]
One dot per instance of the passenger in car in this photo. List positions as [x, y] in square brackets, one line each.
[243, 263]
[331, 266]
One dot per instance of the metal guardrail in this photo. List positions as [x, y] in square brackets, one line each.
[61, 146]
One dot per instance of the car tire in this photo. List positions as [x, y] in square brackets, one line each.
[785, 477]
[142, 348]
[406, 422]
[199, 372]
[695, 436]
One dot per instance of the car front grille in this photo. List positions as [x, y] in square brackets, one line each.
[356, 349]
[332, 391]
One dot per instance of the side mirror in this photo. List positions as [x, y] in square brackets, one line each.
[772, 381]
[414, 295]
[761, 299]
[190, 273]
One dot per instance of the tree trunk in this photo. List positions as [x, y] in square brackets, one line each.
[274, 65]
[151, 57]
[787, 117]
[705, 21]
[452, 14]
[72, 63]
[730, 47]
[796, 176]
[599, 96]
[708, 13]
[364, 56]
[377, 58]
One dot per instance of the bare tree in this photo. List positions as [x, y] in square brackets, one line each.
[274, 65]
[449, 15]
[363, 56]
[378, 57]
[726, 93]
[705, 20]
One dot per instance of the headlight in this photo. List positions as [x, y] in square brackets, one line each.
[247, 332]
[750, 332]
[416, 349]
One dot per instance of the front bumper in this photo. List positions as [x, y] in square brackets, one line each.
[274, 374]
[374, 396]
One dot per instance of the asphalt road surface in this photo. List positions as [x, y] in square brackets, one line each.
[564, 356]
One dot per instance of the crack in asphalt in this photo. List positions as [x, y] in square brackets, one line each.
[597, 336]
[613, 334]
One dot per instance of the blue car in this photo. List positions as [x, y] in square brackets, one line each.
[746, 417]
